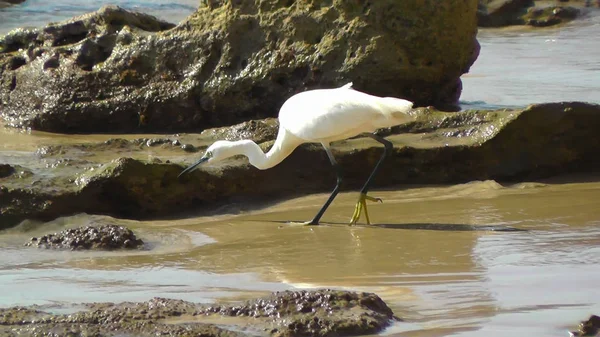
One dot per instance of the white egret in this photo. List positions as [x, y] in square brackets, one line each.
[321, 116]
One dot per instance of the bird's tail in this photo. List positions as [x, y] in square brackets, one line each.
[398, 109]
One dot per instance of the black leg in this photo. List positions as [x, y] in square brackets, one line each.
[386, 151]
[338, 171]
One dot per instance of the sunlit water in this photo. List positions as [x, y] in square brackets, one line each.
[37, 13]
[520, 67]
[425, 258]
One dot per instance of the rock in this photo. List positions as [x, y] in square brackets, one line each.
[6, 170]
[8, 3]
[320, 313]
[229, 62]
[537, 142]
[499, 13]
[588, 328]
[550, 16]
[316, 313]
[103, 237]
[259, 131]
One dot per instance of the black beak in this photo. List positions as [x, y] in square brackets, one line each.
[193, 166]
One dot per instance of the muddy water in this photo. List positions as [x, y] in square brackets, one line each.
[437, 255]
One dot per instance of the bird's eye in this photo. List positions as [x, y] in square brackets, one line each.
[209, 154]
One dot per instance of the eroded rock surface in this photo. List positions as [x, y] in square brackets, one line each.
[317, 313]
[103, 237]
[230, 61]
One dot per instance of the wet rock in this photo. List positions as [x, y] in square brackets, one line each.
[537, 142]
[500, 13]
[115, 145]
[6, 170]
[321, 312]
[257, 130]
[591, 327]
[103, 237]
[229, 62]
[550, 16]
[316, 313]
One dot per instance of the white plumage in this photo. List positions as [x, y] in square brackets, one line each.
[327, 115]
[321, 116]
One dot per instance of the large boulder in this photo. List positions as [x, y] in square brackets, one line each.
[230, 61]
[439, 147]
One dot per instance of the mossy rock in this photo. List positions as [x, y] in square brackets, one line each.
[230, 61]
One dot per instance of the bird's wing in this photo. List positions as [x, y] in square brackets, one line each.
[328, 113]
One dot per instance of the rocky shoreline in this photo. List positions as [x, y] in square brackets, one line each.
[319, 313]
[130, 72]
[439, 147]
[222, 74]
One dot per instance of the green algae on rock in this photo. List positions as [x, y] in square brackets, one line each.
[539, 141]
[230, 61]
[320, 313]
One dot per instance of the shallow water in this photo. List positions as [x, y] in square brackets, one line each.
[433, 254]
[517, 66]
[424, 256]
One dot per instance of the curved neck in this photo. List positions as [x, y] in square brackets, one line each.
[283, 146]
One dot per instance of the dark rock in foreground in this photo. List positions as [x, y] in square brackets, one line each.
[317, 313]
[103, 237]
[540, 141]
[230, 61]
[6, 170]
[590, 328]
[8, 3]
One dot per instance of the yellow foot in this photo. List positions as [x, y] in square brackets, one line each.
[360, 205]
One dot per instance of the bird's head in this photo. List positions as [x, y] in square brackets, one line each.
[218, 151]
